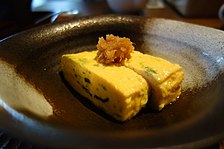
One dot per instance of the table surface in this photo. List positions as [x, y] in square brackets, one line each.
[10, 27]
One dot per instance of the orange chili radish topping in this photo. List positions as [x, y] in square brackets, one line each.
[114, 49]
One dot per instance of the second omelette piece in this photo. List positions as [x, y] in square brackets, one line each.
[164, 77]
[118, 90]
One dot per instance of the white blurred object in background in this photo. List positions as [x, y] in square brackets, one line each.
[127, 6]
[155, 4]
[221, 13]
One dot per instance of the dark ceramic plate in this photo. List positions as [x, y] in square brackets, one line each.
[38, 105]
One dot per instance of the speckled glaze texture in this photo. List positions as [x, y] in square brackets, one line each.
[68, 120]
[198, 49]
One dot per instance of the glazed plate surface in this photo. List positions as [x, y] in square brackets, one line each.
[38, 105]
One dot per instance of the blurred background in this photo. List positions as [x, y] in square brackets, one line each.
[186, 8]
[17, 15]
[21, 9]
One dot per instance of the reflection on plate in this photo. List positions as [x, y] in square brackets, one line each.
[34, 94]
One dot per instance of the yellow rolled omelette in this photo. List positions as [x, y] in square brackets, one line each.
[117, 90]
[164, 77]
